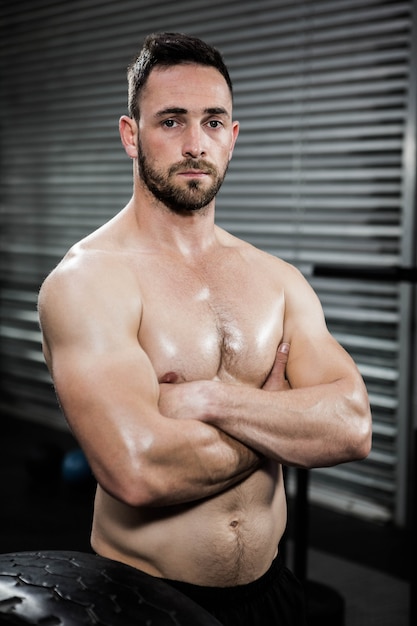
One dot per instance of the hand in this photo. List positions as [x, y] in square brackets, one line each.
[276, 380]
[184, 400]
[191, 400]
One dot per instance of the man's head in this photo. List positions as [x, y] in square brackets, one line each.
[168, 50]
[180, 129]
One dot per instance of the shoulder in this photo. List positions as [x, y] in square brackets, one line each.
[88, 281]
[98, 257]
[82, 267]
[283, 277]
[98, 260]
[275, 266]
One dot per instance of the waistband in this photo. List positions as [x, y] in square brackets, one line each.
[205, 595]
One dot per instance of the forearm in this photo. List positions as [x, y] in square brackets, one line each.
[144, 458]
[197, 461]
[316, 426]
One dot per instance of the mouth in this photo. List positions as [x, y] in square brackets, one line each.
[193, 173]
[193, 169]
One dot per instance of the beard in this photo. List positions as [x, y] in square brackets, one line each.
[181, 199]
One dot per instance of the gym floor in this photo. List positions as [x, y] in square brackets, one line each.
[366, 564]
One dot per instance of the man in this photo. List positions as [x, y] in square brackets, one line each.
[168, 339]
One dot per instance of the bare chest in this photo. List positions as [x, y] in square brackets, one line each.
[223, 324]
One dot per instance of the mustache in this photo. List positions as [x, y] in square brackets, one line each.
[193, 164]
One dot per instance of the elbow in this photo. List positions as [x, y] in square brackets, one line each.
[132, 480]
[351, 441]
[363, 443]
[135, 490]
[359, 449]
[360, 433]
[145, 486]
[355, 430]
[131, 488]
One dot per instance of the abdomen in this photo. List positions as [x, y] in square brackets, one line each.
[225, 540]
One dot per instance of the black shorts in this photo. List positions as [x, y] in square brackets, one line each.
[275, 599]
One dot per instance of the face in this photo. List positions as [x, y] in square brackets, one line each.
[185, 136]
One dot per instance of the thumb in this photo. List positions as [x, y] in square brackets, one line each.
[276, 377]
[282, 353]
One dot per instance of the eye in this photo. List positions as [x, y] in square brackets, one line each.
[215, 123]
[169, 123]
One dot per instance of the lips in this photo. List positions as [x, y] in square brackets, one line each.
[193, 173]
[193, 169]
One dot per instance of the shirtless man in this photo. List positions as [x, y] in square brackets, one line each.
[167, 339]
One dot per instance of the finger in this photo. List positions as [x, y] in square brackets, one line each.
[276, 377]
[282, 353]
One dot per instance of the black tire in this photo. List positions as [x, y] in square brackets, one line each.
[75, 588]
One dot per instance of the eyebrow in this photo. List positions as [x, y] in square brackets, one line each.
[181, 111]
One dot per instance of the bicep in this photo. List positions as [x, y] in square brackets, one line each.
[103, 378]
[315, 356]
[95, 388]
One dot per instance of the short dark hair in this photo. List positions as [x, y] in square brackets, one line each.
[166, 50]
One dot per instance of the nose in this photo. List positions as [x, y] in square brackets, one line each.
[193, 142]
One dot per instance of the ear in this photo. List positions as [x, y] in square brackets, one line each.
[235, 132]
[128, 133]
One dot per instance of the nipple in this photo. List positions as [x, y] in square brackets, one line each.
[169, 377]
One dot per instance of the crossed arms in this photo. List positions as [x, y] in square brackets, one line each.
[155, 445]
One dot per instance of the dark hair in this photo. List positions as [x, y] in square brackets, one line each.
[169, 49]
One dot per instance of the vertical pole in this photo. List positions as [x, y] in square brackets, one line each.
[301, 526]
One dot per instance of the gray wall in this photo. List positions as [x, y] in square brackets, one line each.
[323, 176]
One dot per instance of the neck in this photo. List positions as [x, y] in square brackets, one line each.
[187, 234]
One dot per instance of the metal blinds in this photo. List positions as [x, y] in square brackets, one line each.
[321, 94]
[317, 179]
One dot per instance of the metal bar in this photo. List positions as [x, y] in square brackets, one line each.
[388, 274]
